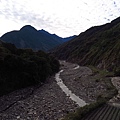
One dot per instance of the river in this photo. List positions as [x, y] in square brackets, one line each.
[68, 92]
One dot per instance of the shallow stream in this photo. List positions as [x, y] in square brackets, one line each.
[68, 92]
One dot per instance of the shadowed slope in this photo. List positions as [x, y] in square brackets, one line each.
[29, 37]
[99, 46]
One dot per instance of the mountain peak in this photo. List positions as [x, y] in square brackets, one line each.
[28, 27]
[29, 37]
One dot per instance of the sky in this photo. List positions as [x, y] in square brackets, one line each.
[62, 17]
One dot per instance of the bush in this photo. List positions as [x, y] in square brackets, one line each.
[81, 112]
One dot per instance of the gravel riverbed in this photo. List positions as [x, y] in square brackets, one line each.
[82, 82]
[49, 102]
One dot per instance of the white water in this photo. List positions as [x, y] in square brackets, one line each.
[72, 96]
[76, 67]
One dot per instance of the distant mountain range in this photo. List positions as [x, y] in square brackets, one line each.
[56, 37]
[98, 46]
[29, 37]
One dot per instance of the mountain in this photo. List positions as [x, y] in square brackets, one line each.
[51, 36]
[20, 68]
[29, 37]
[98, 46]
[56, 37]
[69, 38]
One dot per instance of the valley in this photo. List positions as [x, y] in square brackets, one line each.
[49, 102]
[46, 77]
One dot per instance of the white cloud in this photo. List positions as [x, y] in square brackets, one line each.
[63, 17]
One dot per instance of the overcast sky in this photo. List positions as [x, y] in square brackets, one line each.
[63, 17]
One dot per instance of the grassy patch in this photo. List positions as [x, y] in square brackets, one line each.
[110, 90]
[81, 112]
[102, 73]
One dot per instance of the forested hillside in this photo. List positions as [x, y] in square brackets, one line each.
[98, 46]
[20, 68]
[29, 37]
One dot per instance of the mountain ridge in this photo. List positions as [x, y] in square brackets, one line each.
[29, 37]
[98, 46]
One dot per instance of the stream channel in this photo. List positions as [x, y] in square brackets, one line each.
[68, 92]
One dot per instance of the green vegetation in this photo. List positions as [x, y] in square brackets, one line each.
[29, 37]
[110, 90]
[99, 76]
[81, 112]
[101, 72]
[98, 46]
[104, 76]
[20, 68]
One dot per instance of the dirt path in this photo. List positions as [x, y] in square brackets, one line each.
[49, 102]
